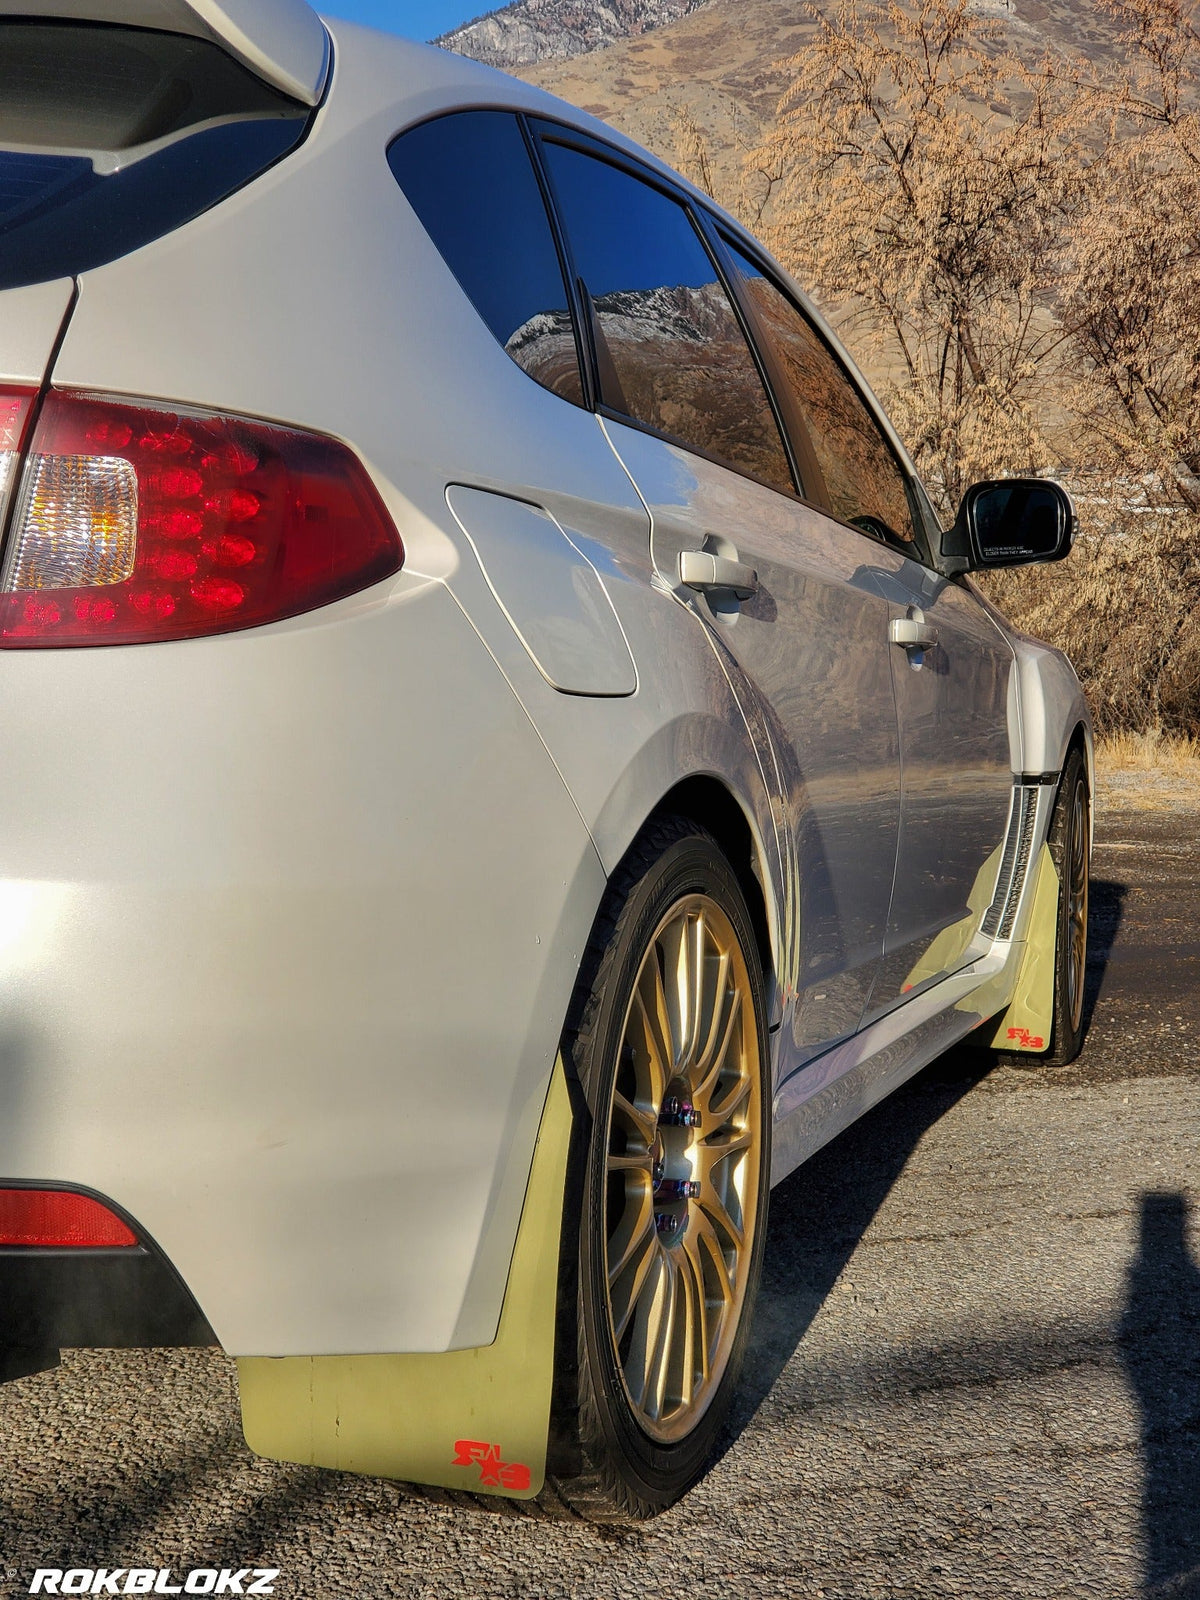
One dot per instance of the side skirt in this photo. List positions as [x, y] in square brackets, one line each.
[820, 1101]
[1012, 983]
[465, 1419]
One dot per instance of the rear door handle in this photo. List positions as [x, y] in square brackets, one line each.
[912, 632]
[699, 569]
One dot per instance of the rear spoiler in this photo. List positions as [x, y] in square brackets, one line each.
[283, 42]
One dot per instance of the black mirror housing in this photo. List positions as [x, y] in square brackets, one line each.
[1009, 522]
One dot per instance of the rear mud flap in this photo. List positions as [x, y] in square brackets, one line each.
[477, 1420]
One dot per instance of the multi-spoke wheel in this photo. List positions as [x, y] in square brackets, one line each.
[1070, 847]
[683, 1153]
[670, 1053]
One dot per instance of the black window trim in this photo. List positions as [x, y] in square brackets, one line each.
[713, 229]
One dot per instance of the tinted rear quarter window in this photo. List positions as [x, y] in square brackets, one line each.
[670, 349]
[111, 137]
[470, 179]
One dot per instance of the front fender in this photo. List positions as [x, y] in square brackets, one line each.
[1052, 706]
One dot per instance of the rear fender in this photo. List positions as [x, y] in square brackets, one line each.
[466, 1419]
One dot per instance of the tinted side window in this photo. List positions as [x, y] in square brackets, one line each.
[470, 179]
[670, 349]
[864, 480]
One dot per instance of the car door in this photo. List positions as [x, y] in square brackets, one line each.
[804, 635]
[952, 696]
[951, 691]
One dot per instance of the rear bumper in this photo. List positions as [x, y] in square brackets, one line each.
[125, 1297]
[117, 1299]
[289, 922]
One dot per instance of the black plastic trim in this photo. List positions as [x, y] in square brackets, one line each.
[127, 1297]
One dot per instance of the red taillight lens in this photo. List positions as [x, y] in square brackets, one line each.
[133, 525]
[14, 413]
[57, 1219]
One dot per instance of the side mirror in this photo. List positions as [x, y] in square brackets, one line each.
[1010, 522]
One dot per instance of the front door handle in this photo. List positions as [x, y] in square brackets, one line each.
[912, 633]
[699, 569]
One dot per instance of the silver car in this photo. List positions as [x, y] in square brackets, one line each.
[501, 760]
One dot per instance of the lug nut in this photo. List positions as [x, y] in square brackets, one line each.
[678, 1189]
[677, 1113]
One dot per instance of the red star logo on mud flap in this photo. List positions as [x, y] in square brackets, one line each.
[494, 1473]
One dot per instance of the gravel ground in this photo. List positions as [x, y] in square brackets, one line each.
[975, 1370]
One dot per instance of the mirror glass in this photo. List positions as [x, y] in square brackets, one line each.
[1018, 520]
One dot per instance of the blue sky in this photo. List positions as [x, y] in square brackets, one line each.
[415, 19]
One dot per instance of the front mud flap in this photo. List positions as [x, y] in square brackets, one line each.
[1029, 1019]
[466, 1419]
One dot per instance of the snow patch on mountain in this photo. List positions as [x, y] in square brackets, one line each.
[547, 30]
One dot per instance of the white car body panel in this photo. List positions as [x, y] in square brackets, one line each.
[30, 321]
[282, 41]
[264, 1023]
[550, 592]
[279, 978]
[161, 324]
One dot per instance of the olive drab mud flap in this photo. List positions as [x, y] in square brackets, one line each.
[1029, 1019]
[466, 1419]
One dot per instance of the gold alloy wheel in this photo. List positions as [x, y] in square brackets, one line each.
[683, 1147]
[1077, 904]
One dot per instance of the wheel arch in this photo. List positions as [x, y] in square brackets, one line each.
[705, 800]
[1083, 739]
[1054, 714]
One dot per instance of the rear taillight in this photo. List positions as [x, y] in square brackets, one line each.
[132, 524]
[14, 413]
[57, 1219]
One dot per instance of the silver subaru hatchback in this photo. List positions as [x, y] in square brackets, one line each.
[502, 761]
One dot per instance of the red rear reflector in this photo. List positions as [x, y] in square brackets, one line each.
[57, 1218]
[133, 525]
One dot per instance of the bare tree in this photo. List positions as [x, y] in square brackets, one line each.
[1131, 308]
[1132, 292]
[922, 179]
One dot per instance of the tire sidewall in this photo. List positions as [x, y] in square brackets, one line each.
[1066, 1040]
[654, 1472]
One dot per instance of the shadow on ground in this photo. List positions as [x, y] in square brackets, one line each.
[821, 1212]
[1106, 900]
[1159, 1343]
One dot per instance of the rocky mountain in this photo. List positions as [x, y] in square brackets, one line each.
[550, 30]
[700, 89]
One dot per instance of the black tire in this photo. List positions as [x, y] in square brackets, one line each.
[1070, 848]
[616, 1458]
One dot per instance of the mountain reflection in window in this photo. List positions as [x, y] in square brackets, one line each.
[670, 349]
[544, 346]
[470, 179]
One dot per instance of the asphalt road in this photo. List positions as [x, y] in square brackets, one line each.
[975, 1370]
